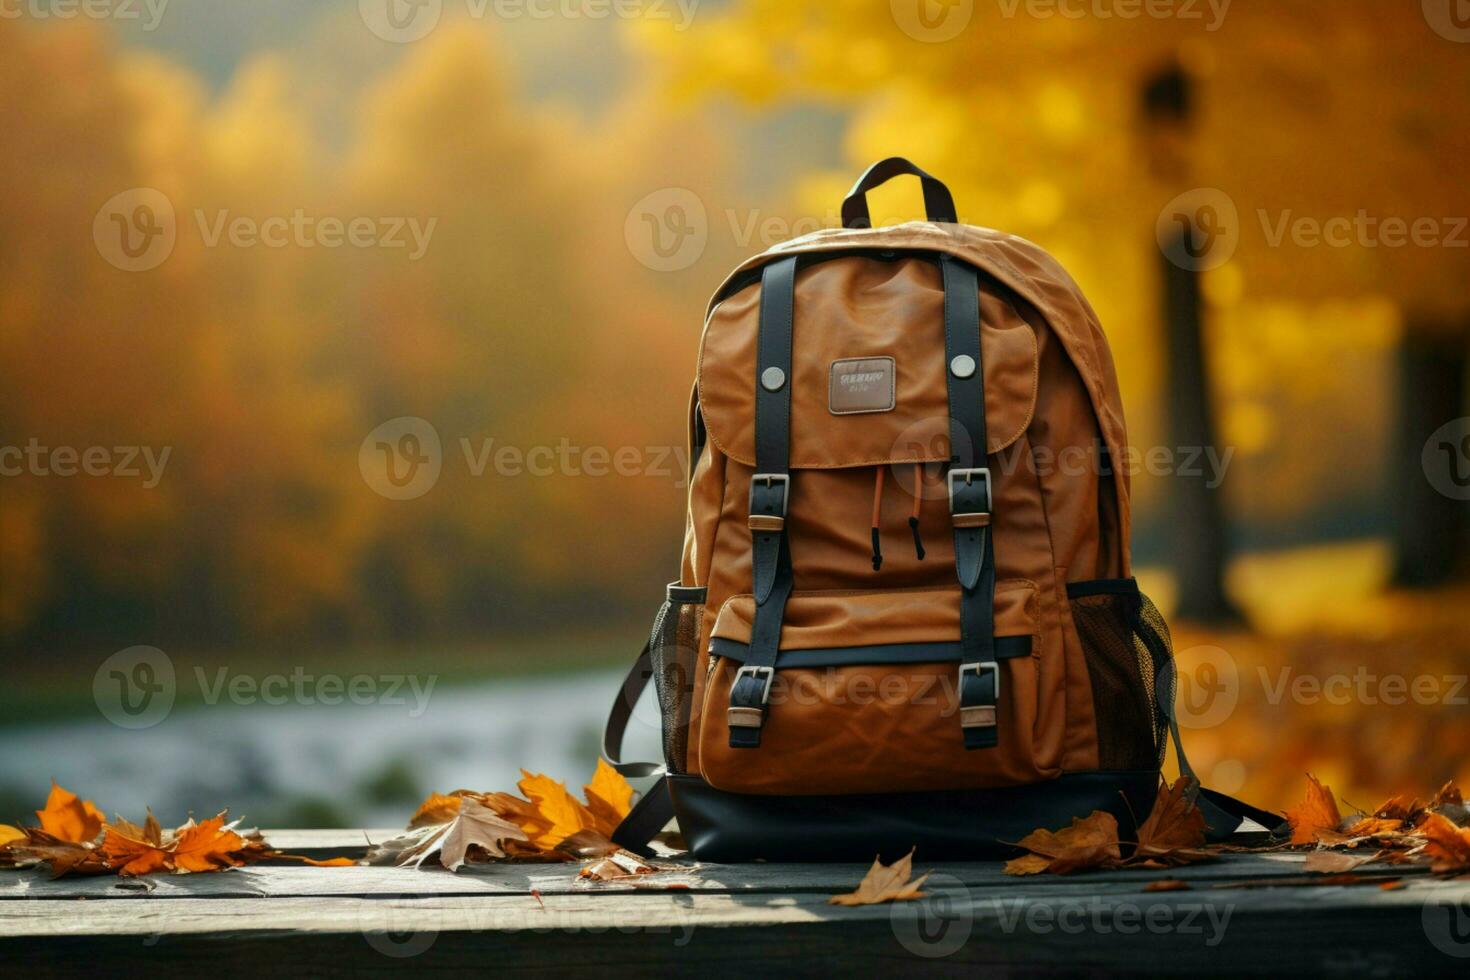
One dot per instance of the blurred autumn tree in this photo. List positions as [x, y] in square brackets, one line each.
[263, 369]
[1300, 111]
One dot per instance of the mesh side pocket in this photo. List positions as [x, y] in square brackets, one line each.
[674, 648]
[1126, 643]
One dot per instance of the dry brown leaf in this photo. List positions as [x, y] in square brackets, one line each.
[617, 865]
[1168, 885]
[1448, 846]
[1090, 842]
[1449, 794]
[885, 883]
[1315, 814]
[1402, 808]
[475, 826]
[1366, 827]
[1174, 833]
[63, 856]
[587, 844]
[67, 817]
[1334, 863]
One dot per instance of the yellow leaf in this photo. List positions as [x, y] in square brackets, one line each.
[555, 805]
[437, 809]
[9, 833]
[609, 798]
[69, 818]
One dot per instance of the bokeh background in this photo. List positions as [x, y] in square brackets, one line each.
[345, 349]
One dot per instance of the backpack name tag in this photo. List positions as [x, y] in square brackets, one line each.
[861, 384]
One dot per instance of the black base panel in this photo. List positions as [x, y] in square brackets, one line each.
[945, 826]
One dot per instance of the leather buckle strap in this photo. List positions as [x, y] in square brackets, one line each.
[749, 696]
[769, 495]
[979, 694]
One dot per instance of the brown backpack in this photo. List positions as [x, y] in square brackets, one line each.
[882, 635]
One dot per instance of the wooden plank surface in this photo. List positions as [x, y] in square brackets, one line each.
[728, 920]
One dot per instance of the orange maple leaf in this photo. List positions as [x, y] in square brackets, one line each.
[130, 856]
[609, 798]
[1317, 813]
[1448, 845]
[207, 846]
[564, 814]
[70, 818]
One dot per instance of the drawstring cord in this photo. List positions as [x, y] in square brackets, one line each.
[877, 513]
[914, 517]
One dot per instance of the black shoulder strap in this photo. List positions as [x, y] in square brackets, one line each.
[770, 490]
[970, 497]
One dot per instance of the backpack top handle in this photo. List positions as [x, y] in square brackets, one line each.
[938, 203]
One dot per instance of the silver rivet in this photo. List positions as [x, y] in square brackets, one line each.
[772, 378]
[962, 366]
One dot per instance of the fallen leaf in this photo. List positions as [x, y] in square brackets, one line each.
[207, 846]
[1402, 808]
[337, 862]
[70, 818]
[1392, 885]
[1449, 794]
[587, 844]
[63, 856]
[1315, 814]
[617, 865]
[1366, 827]
[609, 798]
[9, 833]
[1167, 885]
[1334, 863]
[555, 805]
[476, 826]
[1174, 832]
[882, 883]
[1090, 842]
[1029, 864]
[130, 856]
[1447, 845]
[437, 809]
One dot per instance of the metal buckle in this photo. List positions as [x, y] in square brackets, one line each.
[979, 669]
[969, 475]
[771, 479]
[757, 672]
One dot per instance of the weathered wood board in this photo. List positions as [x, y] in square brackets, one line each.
[729, 920]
